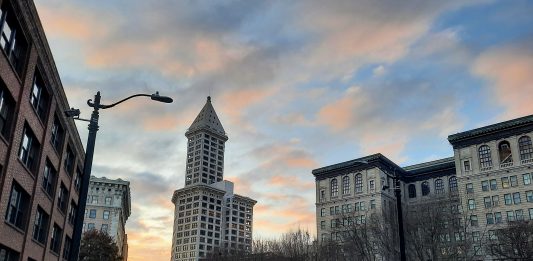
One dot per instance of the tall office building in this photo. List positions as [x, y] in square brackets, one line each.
[108, 208]
[41, 154]
[485, 186]
[209, 217]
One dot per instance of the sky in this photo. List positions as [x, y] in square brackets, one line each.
[297, 85]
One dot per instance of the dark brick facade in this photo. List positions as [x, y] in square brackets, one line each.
[16, 82]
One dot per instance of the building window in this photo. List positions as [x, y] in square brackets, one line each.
[90, 226]
[55, 241]
[322, 212]
[40, 226]
[529, 196]
[372, 185]
[471, 204]
[469, 188]
[490, 219]
[504, 149]
[498, 217]
[7, 106]
[525, 147]
[496, 200]
[92, 213]
[493, 184]
[322, 195]
[487, 201]
[439, 186]
[322, 224]
[49, 178]
[66, 248]
[18, 206]
[77, 179]
[412, 190]
[29, 149]
[531, 214]
[39, 98]
[104, 228]
[485, 185]
[108, 200]
[69, 161]
[8, 254]
[519, 215]
[358, 183]
[505, 182]
[425, 188]
[516, 198]
[12, 40]
[62, 198]
[372, 204]
[508, 199]
[485, 159]
[345, 185]
[452, 183]
[466, 165]
[514, 181]
[527, 179]
[58, 134]
[473, 221]
[72, 213]
[334, 188]
[105, 214]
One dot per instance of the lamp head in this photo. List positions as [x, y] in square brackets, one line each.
[159, 98]
[72, 113]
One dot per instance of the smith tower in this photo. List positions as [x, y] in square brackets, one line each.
[208, 217]
[205, 149]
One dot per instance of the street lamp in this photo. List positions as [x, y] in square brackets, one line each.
[399, 214]
[89, 153]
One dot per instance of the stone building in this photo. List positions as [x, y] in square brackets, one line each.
[108, 208]
[41, 153]
[487, 182]
[209, 217]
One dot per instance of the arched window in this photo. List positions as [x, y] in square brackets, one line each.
[358, 183]
[525, 147]
[334, 188]
[412, 190]
[504, 149]
[485, 160]
[439, 186]
[453, 184]
[346, 185]
[425, 188]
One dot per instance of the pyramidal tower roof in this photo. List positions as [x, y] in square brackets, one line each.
[207, 120]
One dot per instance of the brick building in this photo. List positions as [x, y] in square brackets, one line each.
[41, 153]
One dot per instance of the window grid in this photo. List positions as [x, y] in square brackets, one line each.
[485, 159]
[525, 147]
[334, 188]
[345, 185]
[358, 183]
[439, 186]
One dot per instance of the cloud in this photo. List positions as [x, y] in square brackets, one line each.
[508, 71]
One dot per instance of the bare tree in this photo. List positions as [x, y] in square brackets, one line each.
[514, 241]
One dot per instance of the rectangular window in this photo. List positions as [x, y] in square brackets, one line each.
[55, 240]
[8, 254]
[497, 217]
[12, 41]
[527, 178]
[77, 179]
[69, 161]
[92, 213]
[322, 224]
[505, 182]
[514, 181]
[90, 226]
[49, 178]
[105, 214]
[519, 215]
[39, 97]
[466, 165]
[372, 185]
[496, 200]
[493, 184]
[108, 200]
[531, 214]
[516, 198]
[510, 216]
[372, 204]
[7, 107]
[18, 206]
[331, 211]
[471, 204]
[104, 228]
[94, 200]
[72, 213]
[66, 248]
[529, 196]
[508, 199]
[469, 188]
[485, 185]
[29, 149]
[62, 198]
[490, 219]
[488, 202]
[40, 226]
[322, 212]
[473, 221]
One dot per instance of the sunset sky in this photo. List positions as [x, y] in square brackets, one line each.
[296, 84]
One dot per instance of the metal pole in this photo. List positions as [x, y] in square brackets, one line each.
[398, 193]
[87, 167]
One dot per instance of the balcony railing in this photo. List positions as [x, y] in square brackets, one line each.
[486, 168]
[526, 161]
[506, 165]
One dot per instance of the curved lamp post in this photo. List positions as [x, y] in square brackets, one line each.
[89, 153]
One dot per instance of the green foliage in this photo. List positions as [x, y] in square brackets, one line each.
[98, 246]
